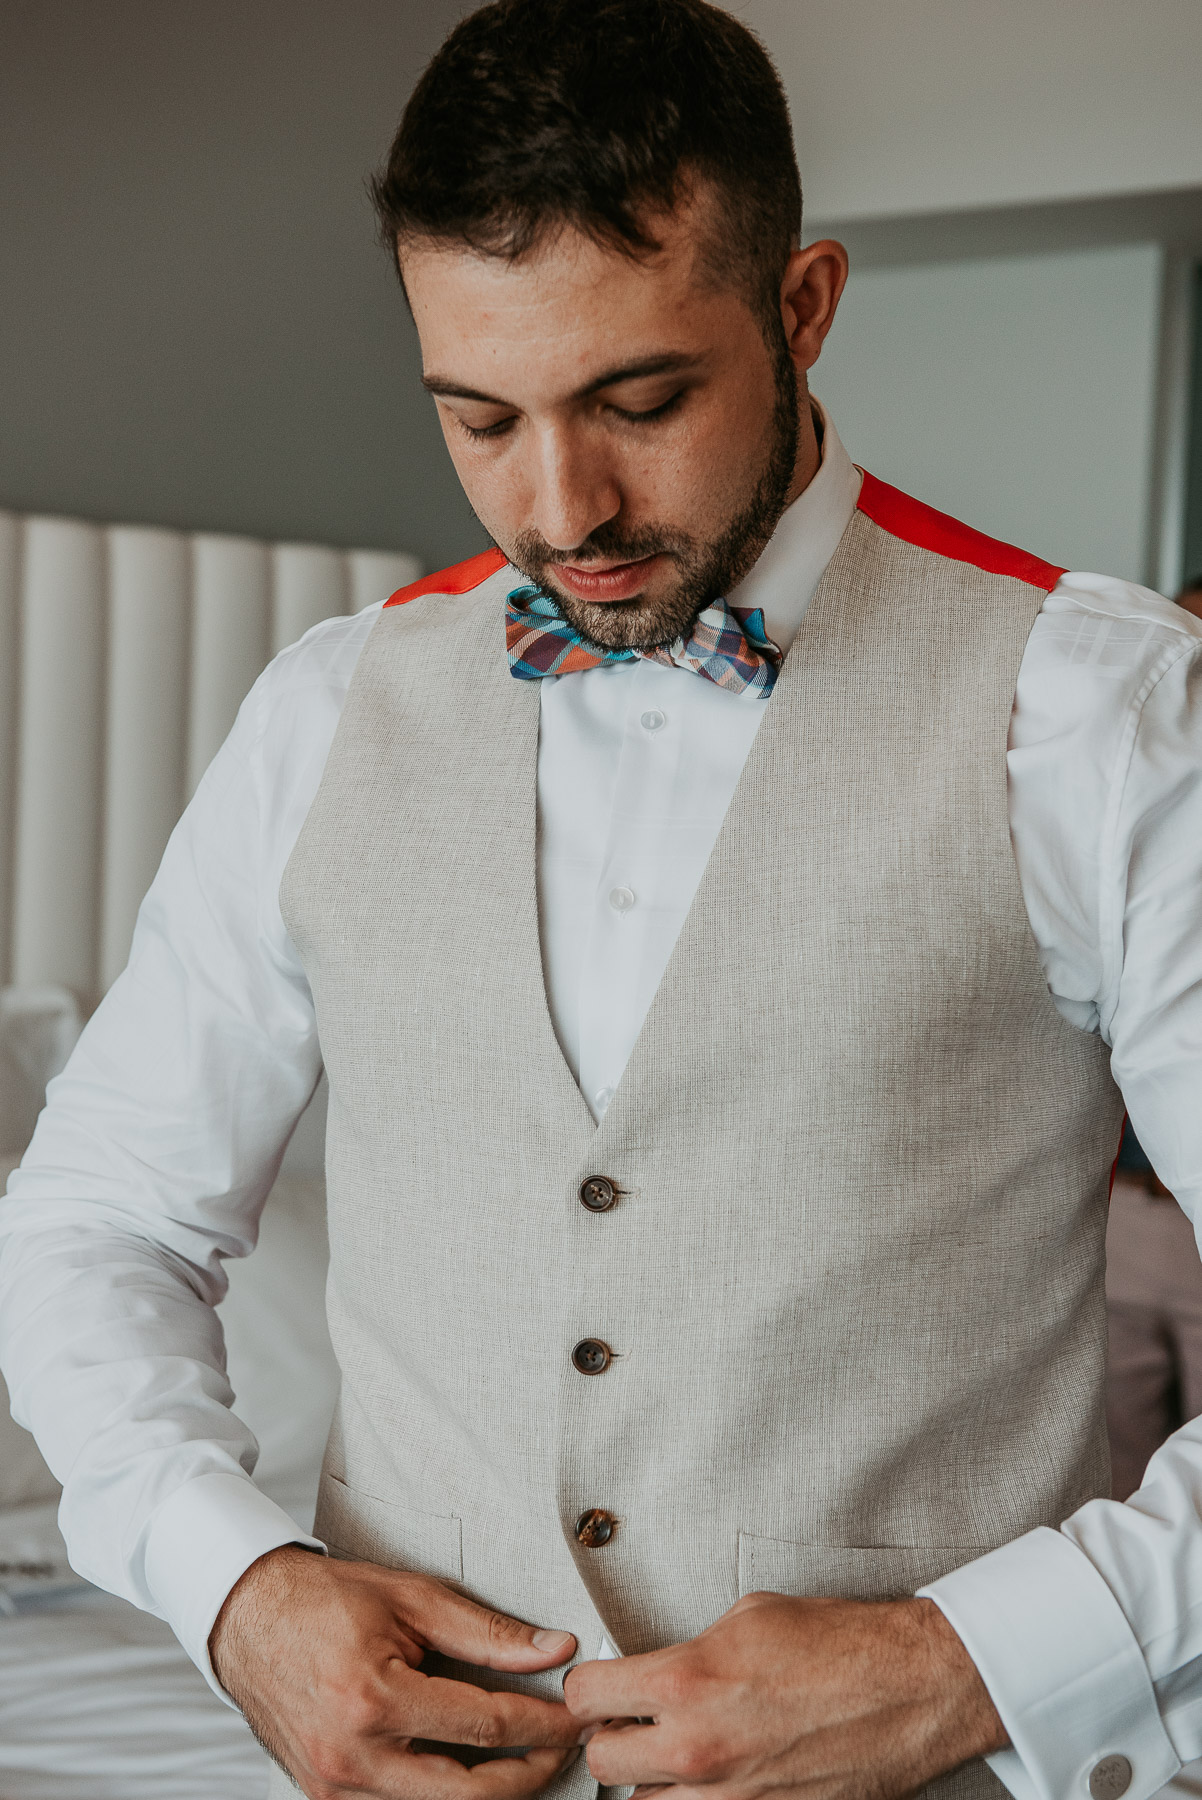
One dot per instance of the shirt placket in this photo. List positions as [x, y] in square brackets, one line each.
[624, 959]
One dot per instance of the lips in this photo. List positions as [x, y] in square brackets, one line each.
[621, 581]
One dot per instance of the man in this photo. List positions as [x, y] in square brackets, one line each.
[652, 965]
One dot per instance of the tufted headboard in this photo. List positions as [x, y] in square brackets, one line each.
[124, 654]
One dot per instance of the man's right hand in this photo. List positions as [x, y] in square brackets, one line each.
[322, 1657]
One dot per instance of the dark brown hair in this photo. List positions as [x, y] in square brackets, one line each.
[598, 114]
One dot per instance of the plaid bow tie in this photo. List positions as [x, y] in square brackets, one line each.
[729, 645]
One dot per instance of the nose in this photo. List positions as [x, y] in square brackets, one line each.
[574, 489]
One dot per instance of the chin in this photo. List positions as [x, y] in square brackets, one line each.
[621, 624]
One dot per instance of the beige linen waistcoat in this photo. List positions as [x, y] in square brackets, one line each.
[853, 1283]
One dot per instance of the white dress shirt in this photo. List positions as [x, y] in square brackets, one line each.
[164, 1134]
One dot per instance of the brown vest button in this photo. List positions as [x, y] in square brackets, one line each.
[598, 1193]
[591, 1356]
[594, 1528]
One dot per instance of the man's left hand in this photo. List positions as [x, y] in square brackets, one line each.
[831, 1699]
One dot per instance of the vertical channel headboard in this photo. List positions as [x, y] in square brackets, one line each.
[124, 654]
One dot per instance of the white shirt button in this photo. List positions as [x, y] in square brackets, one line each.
[621, 899]
[653, 721]
[602, 1099]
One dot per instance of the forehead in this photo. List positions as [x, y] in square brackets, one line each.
[568, 308]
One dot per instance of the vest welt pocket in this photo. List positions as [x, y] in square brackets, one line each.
[363, 1528]
[843, 1572]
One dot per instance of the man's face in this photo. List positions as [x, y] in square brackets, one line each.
[620, 426]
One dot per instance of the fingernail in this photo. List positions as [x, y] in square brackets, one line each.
[551, 1640]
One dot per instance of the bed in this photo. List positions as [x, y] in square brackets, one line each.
[97, 1699]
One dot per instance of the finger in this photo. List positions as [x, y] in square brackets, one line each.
[621, 1687]
[514, 1775]
[454, 1712]
[589, 1732]
[478, 1634]
[629, 1755]
[409, 1775]
[517, 1775]
[510, 1777]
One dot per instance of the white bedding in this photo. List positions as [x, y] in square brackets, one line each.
[98, 1702]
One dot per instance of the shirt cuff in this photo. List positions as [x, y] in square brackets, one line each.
[201, 1541]
[1063, 1667]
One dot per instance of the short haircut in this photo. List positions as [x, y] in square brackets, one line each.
[599, 115]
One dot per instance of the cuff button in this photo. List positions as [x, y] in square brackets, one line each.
[1110, 1778]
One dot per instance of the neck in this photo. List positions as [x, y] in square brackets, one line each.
[809, 451]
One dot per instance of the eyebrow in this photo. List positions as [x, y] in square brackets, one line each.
[670, 363]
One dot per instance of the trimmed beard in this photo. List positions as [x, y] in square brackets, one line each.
[708, 569]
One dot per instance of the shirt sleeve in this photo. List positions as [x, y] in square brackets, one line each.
[149, 1167]
[1090, 1638]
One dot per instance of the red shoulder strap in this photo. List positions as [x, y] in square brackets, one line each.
[918, 524]
[460, 578]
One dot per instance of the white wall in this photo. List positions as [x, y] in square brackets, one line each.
[1017, 393]
[906, 106]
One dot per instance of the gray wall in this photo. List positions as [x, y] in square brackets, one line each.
[196, 325]
[198, 329]
[1192, 558]
[1017, 393]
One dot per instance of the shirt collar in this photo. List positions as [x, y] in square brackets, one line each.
[794, 559]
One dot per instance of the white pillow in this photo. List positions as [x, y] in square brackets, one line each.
[39, 1028]
[33, 1557]
[24, 1477]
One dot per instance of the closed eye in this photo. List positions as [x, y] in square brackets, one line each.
[499, 429]
[654, 412]
[502, 427]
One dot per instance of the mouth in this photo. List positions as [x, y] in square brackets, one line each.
[606, 582]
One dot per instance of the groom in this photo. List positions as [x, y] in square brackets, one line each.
[718, 1152]
[613, 1361]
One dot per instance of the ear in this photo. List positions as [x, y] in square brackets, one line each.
[813, 282]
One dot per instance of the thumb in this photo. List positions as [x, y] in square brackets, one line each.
[492, 1640]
